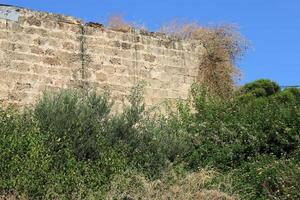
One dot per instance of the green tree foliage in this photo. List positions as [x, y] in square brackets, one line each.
[261, 88]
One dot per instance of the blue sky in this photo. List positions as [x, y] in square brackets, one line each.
[272, 26]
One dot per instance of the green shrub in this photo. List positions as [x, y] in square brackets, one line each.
[135, 133]
[59, 147]
[74, 120]
[267, 177]
[24, 159]
[261, 88]
[229, 132]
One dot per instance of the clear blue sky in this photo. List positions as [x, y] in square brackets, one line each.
[272, 26]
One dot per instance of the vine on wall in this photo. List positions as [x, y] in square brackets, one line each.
[224, 45]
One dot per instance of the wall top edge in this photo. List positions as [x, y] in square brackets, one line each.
[11, 12]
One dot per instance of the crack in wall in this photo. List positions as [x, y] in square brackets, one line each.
[82, 50]
[135, 59]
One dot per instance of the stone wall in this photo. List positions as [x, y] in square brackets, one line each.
[41, 51]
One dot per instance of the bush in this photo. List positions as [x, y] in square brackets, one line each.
[261, 88]
[74, 120]
[24, 160]
[268, 177]
[227, 133]
[57, 148]
[231, 134]
[133, 134]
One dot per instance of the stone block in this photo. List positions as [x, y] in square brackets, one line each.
[100, 76]
[51, 61]
[149, 58]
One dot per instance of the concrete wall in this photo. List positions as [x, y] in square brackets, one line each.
[41, 51]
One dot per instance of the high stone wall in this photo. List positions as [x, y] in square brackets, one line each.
[41, 51]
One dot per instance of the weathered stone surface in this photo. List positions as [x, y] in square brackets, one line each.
[126, 46]
[51, 61]
[47, 51]
[149, 57]
[33, 21]
[100, 76]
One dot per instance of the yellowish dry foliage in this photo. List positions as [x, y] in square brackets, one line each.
[117, 23]
[224, 45]
[169, 187]
[12, 197]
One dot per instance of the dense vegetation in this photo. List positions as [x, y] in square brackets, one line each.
[71, 145]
